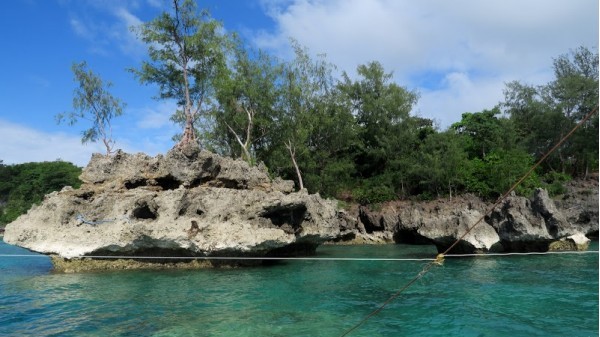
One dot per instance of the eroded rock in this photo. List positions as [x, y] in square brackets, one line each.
[517, 224]
[187, 203]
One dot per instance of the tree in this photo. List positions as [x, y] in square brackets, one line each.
[382, 111]
[246, 118]
[93, 102]
[482, 130]
[575, 89]
[542, 115]
[186, 51]
[386, 132]
[441, 164]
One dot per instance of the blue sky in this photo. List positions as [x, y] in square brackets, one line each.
[458, 54]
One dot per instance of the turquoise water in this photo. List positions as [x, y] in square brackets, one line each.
[554, 295]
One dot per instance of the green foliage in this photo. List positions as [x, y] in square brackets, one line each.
[374, 190]
[187, 53]
[441, 164]
[246, 120]
[493, 175]
[543, 115]
[554, 182]
[357, 138]
[93, 102]
[382, 113]
[23, 185]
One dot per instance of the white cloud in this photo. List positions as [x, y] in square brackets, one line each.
[459, 94]
[80, 28]
[108, 27]
[488, 42]
[127, 40]
[156, 3]
[23, 144]
[156, 117]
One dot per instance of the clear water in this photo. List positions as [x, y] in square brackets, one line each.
[553, 295]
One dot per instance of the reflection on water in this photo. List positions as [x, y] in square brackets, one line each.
[486, 296]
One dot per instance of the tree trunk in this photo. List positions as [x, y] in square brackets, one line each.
[189, 135]
[292, 151]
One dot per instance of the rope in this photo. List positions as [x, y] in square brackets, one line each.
[226, 258]
[440, 257]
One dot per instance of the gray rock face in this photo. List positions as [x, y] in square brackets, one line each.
[530, 225]
[187, 203]
[517, 224]
[580, 205]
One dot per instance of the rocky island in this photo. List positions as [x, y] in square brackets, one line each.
[190, 204]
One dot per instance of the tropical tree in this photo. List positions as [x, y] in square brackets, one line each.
[386, 132]
[186, 50]
[544, 114]
[93, 102]
[482, 130]
[246, 118]
[382, 110]
[441, 164]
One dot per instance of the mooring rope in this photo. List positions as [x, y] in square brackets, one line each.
[440, 257]
[257, 258]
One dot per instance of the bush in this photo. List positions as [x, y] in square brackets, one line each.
[555, 182]
[374, 190]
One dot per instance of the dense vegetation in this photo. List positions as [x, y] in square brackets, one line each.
[356, 137]
[22, 185]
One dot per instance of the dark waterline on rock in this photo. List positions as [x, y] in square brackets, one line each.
[552, 295]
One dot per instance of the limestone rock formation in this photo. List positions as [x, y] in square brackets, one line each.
[188, 203]
[517, 224]
[580, 205]
[525, 225]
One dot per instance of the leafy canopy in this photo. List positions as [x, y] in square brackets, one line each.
[93, 102]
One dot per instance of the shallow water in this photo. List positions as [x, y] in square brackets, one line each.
[550, 295]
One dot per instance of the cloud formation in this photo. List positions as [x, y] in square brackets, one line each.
[428, 43]
[110, 29]
[23, 144]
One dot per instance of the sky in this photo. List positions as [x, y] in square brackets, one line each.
[458, 54]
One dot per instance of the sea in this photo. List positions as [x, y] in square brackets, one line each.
[536, 295]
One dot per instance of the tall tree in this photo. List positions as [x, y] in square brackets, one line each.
[484, 132]
[441, 164]
[186, 50]
[382, 110]
[305, 91]
[93, 102]
[247, 119]
[544, 114]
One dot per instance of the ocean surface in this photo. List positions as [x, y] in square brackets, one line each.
[549, 295]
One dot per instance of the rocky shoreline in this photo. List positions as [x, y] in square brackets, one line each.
[518, 224]
[191, 204]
